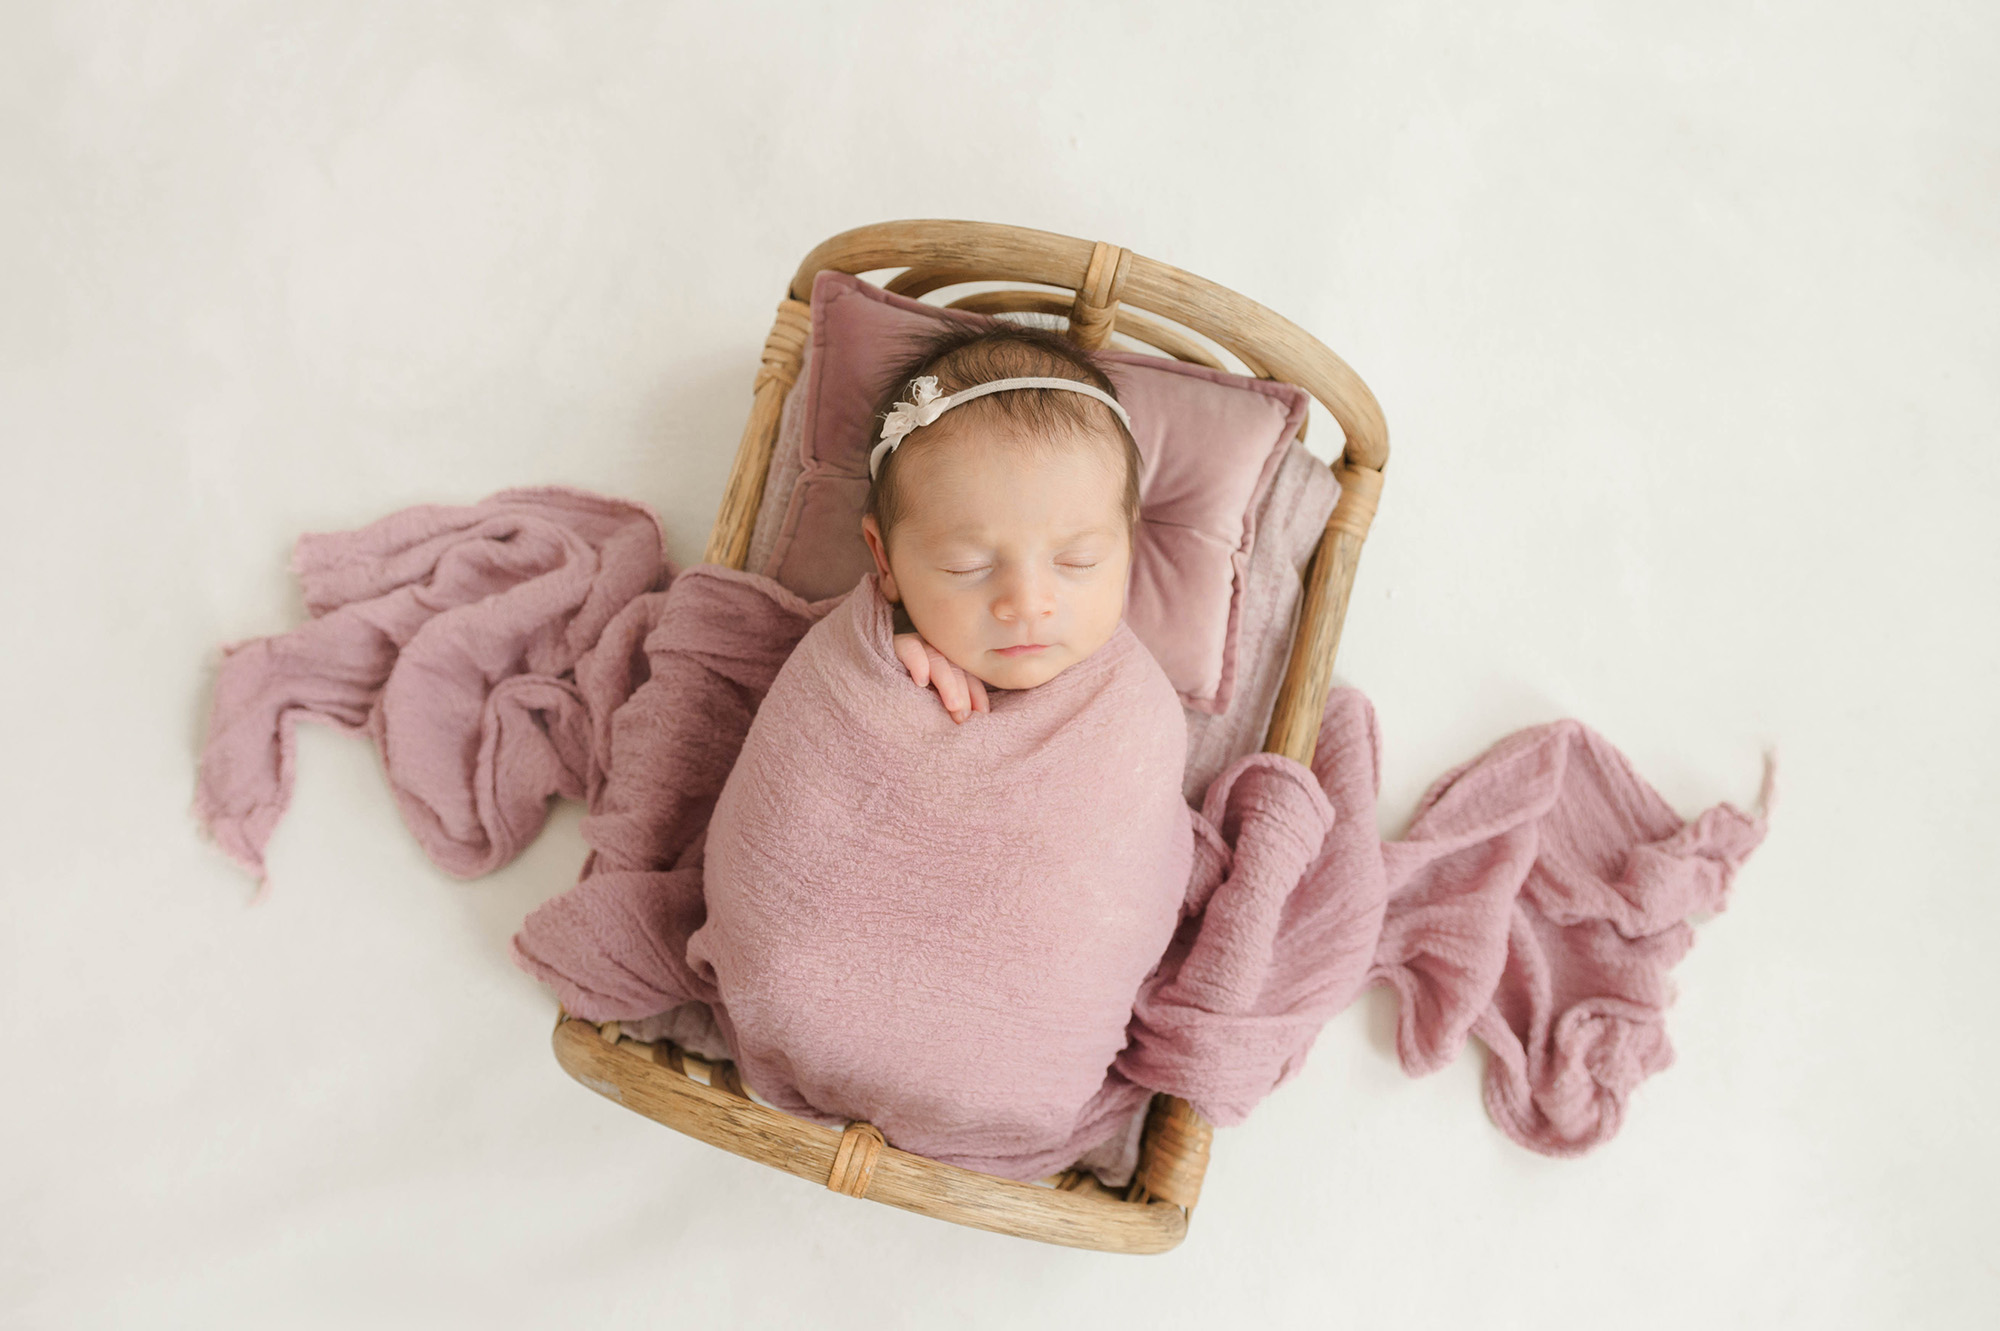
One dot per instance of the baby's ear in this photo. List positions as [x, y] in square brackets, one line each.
[871, 531]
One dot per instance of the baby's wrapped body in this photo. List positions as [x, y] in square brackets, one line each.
[941, 928]
[987, 939]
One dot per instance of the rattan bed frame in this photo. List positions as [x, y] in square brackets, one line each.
[1103, 289]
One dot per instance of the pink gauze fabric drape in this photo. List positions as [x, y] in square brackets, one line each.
[538, 644]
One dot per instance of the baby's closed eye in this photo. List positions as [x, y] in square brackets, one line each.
[1076, 565]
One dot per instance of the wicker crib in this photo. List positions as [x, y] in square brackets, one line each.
[1100, 289]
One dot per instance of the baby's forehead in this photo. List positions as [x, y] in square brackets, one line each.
[1015, 504]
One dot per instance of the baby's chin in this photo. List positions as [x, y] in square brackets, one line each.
[1024, 672]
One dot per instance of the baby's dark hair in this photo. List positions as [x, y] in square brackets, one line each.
[963, 356]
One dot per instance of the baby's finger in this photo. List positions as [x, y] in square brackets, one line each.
[911, 651]
[950, 682]
[978, 688]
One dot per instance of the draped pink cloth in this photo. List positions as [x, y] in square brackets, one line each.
[503, 653]
[454, 637]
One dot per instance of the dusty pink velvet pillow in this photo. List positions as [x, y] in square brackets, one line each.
[1209, 443]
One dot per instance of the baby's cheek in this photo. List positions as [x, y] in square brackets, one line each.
[959, 638]
[1104, 618]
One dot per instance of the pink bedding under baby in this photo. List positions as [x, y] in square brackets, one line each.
[931, 941]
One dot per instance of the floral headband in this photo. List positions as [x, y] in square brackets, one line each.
[931, 404]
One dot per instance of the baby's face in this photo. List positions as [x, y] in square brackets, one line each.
[1011, 561]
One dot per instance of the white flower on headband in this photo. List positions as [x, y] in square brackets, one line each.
[907, 416]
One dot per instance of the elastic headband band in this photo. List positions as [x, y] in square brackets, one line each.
[930, 404]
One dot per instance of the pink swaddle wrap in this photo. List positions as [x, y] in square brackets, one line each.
[505, 652]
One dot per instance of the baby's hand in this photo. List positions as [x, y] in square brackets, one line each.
[961, 694]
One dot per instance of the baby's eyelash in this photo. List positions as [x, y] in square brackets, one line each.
[968, 572]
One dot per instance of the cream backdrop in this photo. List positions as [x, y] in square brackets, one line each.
[1683, 318]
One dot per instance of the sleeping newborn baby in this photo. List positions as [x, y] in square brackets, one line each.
[936, 918]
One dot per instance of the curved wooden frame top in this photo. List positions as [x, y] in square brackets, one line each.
[653, 1079]
[945, 252]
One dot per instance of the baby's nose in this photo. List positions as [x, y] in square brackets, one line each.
[1027, 597]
